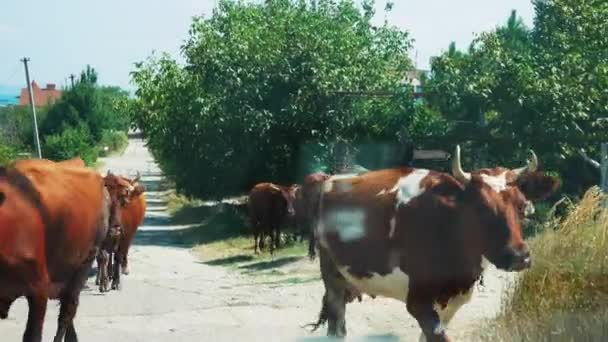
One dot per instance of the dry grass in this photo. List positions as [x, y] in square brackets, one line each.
[564, 296]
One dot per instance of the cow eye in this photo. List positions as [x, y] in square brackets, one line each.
[2, 197]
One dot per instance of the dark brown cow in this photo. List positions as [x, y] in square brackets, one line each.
[269, 207]
[131, 217]
[420, 236]
[109, 260]
[52, 220]
[309, 194]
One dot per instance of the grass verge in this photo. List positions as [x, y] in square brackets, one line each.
[222, 237]
[564, 296]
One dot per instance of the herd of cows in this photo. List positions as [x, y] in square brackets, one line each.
[419, 236]
[56, 219]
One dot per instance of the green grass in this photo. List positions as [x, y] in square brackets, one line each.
[564, 296]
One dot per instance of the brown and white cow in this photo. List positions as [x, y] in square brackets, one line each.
[270, 205]
[420, 236]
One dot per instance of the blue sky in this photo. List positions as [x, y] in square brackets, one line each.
[62, 36]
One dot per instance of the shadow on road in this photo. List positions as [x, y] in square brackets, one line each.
[265, 265]
[229, 260]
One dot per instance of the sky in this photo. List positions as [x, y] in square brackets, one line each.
[62, 36]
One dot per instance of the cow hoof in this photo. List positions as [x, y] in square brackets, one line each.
[125, 271]
[116, 287]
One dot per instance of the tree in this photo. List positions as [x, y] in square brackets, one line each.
[540, 88]
[254, 100]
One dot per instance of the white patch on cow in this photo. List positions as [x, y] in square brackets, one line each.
[393, 223]
[484, 263]
[393, 285]
[382, 192]
[274, 187]
[447, 313]
[497, 183]
[348, 223]
[408, 187]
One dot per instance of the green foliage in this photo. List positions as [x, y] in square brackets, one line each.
[112, 141]
[16, 127]
[254, 99]
[540, 88]
[71, 142]
[87, 103]
[7, 154]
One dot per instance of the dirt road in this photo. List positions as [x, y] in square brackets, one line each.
[171, 296]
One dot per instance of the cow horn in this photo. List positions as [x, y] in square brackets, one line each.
[531, 166]
[457, 171]
[137, 177]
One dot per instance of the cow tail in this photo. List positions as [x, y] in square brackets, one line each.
[322, 316]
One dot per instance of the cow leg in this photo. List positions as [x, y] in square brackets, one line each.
[420, 306]
[102, 268]
[69, 303]
[125, 264]
[35, 317]
[255, 243]
[116, 271]
[334, 300]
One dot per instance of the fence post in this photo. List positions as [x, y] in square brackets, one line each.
[604, 167]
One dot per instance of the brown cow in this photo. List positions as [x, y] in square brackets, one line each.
[269, 207]
[52, 220]
[131, 217]
[421, 237]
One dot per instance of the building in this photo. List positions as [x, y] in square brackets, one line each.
[414, 78]
[42, 96]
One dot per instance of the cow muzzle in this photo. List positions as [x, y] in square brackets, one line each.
[520, 259]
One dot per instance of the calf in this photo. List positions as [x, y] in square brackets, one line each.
[53, 220]
[421, 237]
[269, 207]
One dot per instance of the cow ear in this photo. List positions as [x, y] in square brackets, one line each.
[537, 186]
[138, 190]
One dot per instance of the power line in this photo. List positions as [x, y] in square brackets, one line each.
[13, 73]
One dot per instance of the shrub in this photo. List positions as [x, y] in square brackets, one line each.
[72, 142]
[7, 154]
[112, 141]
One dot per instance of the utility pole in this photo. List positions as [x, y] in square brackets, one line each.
[32, 105]
[72, 79]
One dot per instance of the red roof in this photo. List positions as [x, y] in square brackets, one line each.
[42, 96]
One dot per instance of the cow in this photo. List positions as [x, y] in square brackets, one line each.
[308, 202]
[109, 260]
[421, 237]
[52, 221]
[270, 205]
[132, 216]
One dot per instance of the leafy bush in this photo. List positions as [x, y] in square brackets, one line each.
[254, 99]
[71, 142]
[112, 141]
[7, 154]
[564, 295]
